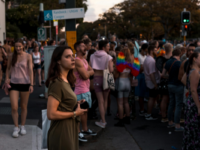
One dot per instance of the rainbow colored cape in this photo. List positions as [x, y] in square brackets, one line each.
[122, 64]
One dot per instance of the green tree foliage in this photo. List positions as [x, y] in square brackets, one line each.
[151, 18]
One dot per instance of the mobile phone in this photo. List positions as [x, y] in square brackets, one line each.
[83, 105]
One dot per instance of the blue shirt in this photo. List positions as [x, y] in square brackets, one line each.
[175, 65]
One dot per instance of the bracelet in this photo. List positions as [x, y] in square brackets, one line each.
[74, 114]
[31, 85]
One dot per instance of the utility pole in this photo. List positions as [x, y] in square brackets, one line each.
[50, 29]
[70, 26]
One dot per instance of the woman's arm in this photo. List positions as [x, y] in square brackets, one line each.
[54, 114]
[111, 69]
[194, 77]
[40, 58]
[184, 79]
[4, 53]
[30, 65]
[164, 73]
[8, 68]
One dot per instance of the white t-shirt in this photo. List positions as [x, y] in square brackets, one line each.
[141, 58]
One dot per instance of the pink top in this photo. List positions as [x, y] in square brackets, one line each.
[20, 73]
[99, 60]
[81, 86]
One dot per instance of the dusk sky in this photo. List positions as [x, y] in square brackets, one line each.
[96, 7]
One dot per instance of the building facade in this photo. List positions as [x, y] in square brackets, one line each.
[2, 20]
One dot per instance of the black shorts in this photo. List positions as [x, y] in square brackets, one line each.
[36, 66]
[153, 92]
[19, 87]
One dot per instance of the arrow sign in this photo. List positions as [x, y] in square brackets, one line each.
[63, 14]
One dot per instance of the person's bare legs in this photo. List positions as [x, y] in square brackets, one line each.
[109, 103]
[39, 76]
[163, 105]
[105, 97]
[84, 122]
[126, 107]
[42, 75]
[151, 103]
[14, 96]
[34, 77]
[120, 108]
[101, 105]
[24, 102]
[141, 103]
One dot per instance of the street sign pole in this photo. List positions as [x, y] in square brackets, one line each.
[70, 26]
[50, 29]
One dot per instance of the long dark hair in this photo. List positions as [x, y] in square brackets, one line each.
[194, 55]
[54, 68]
[92, 51]
[14, 57]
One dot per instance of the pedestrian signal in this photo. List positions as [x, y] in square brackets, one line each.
[185, 17]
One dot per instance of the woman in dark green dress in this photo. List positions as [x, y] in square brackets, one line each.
[63, 132]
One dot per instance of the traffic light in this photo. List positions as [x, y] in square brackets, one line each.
[185, 17]
[186, 27]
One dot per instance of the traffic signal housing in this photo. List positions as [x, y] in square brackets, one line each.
[185, 17]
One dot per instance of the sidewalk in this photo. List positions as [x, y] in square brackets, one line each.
[30, 141]
[111, 138]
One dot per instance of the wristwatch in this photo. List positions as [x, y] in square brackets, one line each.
[74, 114]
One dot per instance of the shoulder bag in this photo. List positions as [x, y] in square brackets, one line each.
[108, 78]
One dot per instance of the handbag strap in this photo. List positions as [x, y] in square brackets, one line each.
[172, 65]
[107, 62]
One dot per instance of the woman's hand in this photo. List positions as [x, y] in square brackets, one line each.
[79, 111]
[31, 89]
[7, 81]
[81, 101]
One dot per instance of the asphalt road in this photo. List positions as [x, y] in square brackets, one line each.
[147, 135]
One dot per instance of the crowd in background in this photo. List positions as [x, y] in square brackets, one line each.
[168, 80]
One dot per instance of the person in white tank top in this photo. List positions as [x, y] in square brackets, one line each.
[37, 63]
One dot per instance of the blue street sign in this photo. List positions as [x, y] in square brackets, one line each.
[62, 14]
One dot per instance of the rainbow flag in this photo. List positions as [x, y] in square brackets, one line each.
[161, 52]
[122, 64]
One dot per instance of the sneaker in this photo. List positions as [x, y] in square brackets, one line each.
[16, 132]
[82, 138]
[42, 96]
[101, 124]
[164, 120]
[89, 132]
[181, 129]
[171, 126]
[142, 113]
[23, 130]
[149, 117]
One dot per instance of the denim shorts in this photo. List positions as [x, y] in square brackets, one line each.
[86, 97]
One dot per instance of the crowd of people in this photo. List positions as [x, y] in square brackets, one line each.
[168, 78]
